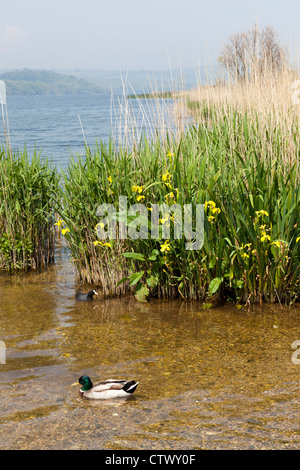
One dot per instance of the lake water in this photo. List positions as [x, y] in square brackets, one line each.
[59, 125]
[52, 124]
[209, 379]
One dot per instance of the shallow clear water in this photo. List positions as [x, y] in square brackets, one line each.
[209, 379]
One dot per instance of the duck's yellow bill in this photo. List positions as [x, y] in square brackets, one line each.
[75, 383]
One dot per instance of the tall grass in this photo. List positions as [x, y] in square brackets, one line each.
[152, 113]
[240, 159]
[29, 189]
[235, 167]
[268, 103]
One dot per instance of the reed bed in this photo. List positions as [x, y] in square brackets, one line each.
[29, 189]
[238, 160]
[272, 102]
[246, 174]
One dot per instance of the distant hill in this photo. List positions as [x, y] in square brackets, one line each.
[43, 82]
[147, 81]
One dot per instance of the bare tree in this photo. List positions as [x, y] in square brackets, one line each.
[251, 55]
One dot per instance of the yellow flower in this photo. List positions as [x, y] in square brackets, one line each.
[259, 213]
[248, 245]
[170, 154]
[210, 218]
[167, 176]
[149, 208]
[265, 237]
[110, 179]
[97, 242]
[100, 224]
[137, 189]
[164, 220]
[254, 252]
[216, 210]
[165, 247]
[140, 198]
[170, 198]
[276, 243]
[210, 205]
[59, 223]
[245, 255]
[110, 192]
[65, 230]
[297, 239]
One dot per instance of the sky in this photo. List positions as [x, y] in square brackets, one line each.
[132, 34]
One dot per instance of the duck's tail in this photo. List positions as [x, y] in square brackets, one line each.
[130, 387]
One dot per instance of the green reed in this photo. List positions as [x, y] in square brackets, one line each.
[29, 190]
[244, 172]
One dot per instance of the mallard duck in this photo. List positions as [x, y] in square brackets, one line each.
[105, 389]
[88, 296]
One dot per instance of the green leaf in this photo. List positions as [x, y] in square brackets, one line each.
[217, 176]
[123, 280]
[215, 284]
[152, 281]
[152, 258]
[142, 294]
[138, 256]
[228, 241]
[134, 279]
[239, 283]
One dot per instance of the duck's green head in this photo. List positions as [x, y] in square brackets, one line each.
[86, 383]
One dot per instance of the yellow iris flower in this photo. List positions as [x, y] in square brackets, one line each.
[165, 247]
[59, 223]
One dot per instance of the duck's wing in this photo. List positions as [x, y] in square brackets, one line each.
[109, 384]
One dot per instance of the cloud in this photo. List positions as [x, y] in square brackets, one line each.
[13, 36]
